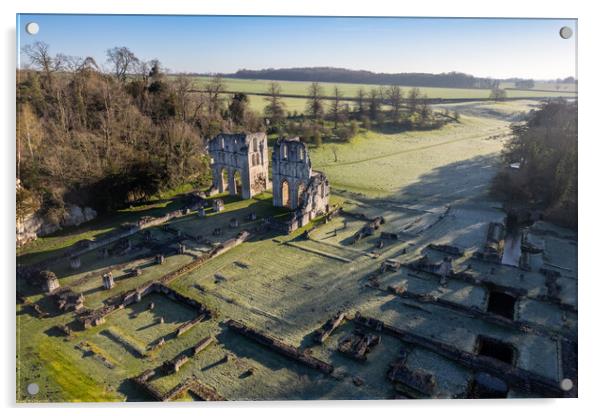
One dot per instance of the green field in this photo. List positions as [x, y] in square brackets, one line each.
[258, 103]
[387, 165]
[350, 90]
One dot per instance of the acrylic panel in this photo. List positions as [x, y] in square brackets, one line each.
[295, 208]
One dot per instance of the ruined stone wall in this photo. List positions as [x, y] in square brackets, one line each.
[296, 185]
[291, 169]
[239, 163]
[315, 198]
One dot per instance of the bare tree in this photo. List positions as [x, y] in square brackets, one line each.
[374, 103]
[275, 108]
[142, 70]
[423, 108]
[29, 135]
[215, 87]
[40, 58]
[156, 72]
[182, 87]
[238, 108]
[497, 94]
[412, 100]
[123, 60]
[395, 97]
[88, 64]
[71, 63]
[315, 99]
[336, 106]
[361, 101]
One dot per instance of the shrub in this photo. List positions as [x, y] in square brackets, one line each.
[354, 128]
[317, 138]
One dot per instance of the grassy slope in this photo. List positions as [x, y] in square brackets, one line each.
[383, 164]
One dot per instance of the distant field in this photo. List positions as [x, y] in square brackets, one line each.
[350, 90]
[258, 103]
[546, 86]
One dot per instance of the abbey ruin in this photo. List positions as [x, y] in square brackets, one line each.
[296, 186]
[217, 298]
[239, 163]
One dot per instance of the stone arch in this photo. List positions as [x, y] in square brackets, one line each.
[224, 180]
[285, 193]
[237, 183]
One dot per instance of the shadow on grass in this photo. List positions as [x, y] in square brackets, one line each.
[54, 332]
[461, 182]
[133, 392]
[244, 347]
[102, 225]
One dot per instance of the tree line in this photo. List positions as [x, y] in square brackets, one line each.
[541, 163]
[342, 75]
[107, 137]
[383, 108]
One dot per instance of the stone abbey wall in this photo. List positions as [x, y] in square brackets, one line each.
[239, 163]
[295, 184]
[240, 166]
[291, 171]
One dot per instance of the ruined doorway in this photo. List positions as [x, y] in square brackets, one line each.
[237, 181]
[225, 178]
[502, 304]
[285, 192]
[493, 348]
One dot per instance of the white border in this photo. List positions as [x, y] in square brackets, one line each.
[589, 199]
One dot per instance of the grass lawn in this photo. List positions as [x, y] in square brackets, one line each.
[55, 366]
[381, 165]
[258, 103]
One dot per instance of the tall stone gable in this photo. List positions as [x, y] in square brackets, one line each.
[295, 184]
[240, 164]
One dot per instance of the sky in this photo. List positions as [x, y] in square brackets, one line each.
[497, 48]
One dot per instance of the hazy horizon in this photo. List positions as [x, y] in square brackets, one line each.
[494, 48]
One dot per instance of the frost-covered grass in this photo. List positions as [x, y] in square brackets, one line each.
[418, 162]
[289, 290]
